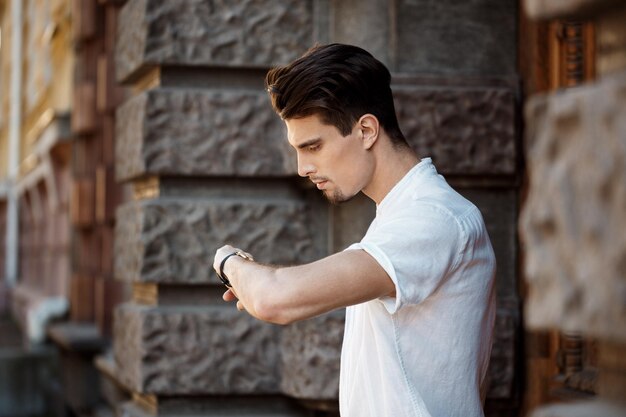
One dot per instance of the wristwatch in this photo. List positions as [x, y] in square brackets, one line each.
[221, 275]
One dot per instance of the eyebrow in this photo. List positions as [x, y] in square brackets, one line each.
[309, 142]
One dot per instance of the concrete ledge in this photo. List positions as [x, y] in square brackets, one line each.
[34, 310]
[78, 337]
[114, 392]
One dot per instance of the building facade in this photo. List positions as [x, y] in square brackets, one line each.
[136, 138]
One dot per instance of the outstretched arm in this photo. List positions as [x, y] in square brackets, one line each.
[288, 294]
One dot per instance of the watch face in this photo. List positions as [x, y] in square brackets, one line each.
[244, 255]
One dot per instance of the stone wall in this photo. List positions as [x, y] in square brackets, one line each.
[209, 163]
[574, 219]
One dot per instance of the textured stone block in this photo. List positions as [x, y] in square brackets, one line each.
[365, 24]
[248, 33]
[310, 352]
[199, 132]
[351, 220]
[450, 37]
[194, 350]
[466, 130]
[174, 240]
[500, 210]
[551, 9]
[574, 219]
[501, 373]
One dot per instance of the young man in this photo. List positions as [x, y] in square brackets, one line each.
[419, 287]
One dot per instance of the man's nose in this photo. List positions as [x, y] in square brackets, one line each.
[305, 168]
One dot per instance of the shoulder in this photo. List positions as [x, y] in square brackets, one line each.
[419, 220]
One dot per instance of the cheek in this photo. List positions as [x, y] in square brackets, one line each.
[348, 173]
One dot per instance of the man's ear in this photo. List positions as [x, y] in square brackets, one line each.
[370, 127]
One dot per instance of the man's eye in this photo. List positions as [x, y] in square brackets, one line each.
[313, 148]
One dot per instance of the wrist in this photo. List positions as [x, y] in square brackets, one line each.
[230, 267]
[227, 268]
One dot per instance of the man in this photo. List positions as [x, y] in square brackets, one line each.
[419, 287]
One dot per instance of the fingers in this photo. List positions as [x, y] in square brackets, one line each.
[229, 295]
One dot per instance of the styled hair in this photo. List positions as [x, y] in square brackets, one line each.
[337, 82]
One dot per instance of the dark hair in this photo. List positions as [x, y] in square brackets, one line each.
[339, 83]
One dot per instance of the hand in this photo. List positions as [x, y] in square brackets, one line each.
[230, 295]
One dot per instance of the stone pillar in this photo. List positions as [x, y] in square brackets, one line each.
[209, 163]
[574, 219]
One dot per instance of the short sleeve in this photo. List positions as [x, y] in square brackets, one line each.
[417, 252]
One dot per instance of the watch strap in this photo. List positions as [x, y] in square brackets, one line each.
[221, 275]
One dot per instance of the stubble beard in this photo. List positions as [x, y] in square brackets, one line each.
[337, 197]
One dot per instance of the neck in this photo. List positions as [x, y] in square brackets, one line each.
[391, 165]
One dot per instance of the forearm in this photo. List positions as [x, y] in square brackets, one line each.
[287, 294]
[254, 285]
[274, 294]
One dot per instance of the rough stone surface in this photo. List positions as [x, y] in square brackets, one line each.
[501, 373]
[466, 130]
[551, 9]
[574, 219]
[200, 132]
[174, 240]
[249, 33]
[351, 220]
[365, 24]
[195, 350]
[185, 132]
[499, 209]
[450, 37]
[310, 357]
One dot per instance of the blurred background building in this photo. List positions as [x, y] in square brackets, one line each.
[136, 137]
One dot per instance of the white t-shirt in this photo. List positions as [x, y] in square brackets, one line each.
[425, 352]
